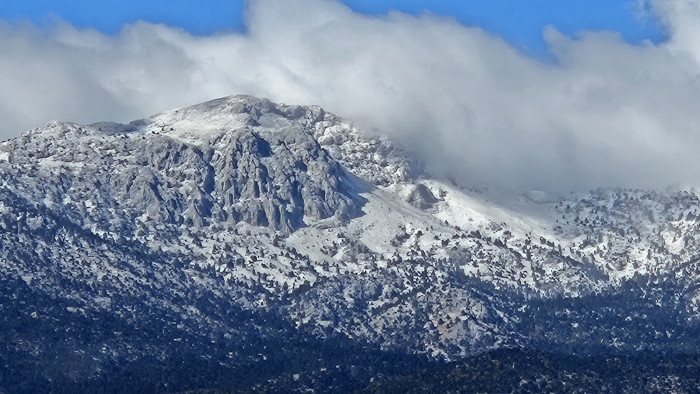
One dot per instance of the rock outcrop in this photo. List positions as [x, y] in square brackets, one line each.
[212, 162]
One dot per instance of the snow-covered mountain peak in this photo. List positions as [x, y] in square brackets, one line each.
[374, 158]
[292, 210]
[201, 124]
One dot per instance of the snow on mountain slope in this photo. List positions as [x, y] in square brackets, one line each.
[294, 211]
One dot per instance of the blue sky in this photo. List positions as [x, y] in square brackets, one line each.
[520, 22]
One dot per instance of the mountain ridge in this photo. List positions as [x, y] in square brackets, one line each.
[293, 215]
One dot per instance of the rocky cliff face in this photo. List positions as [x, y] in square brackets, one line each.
[163, 170]
[241, 227]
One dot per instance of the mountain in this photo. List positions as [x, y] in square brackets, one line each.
[243, 245]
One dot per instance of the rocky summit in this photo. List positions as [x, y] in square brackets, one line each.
[243, 245]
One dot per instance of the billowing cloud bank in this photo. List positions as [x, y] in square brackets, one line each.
[603, 113]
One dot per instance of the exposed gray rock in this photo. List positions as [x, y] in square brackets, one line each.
[168, 169]
[421, 197]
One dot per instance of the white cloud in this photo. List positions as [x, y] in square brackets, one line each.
[603, 113]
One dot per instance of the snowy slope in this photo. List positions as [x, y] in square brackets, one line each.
[294, 211]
